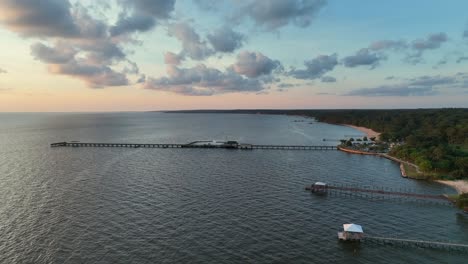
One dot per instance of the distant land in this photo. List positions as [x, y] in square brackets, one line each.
[434, 139]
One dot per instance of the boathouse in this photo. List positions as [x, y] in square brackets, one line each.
[351, 232]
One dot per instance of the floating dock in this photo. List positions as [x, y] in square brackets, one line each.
[195, 144]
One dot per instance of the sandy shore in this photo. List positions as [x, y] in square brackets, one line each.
[370, 133]
[461, 186]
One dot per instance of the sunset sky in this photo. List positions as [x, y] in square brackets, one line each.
[139, 55]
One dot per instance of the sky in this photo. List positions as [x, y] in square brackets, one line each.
[143, 55]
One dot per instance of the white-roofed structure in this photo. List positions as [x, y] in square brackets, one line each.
[353, 228]
[351, 232]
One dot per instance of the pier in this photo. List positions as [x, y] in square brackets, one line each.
[416, 243]
[195, 144]
[374, 192]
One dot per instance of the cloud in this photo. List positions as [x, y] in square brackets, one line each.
[225, 39]
[433, 41]
[316, 67]
[73, 42]
[465, 33]
[172, 58]
[462, 58]
[432, 80]
[392, 90]
[328, 79]
[363, 58]
[274, 14]
[285, 85]
[2, 71]
[96, 76]
[34, 18]
[142, 15]
[159, 9]
[129, 24]
[420, 86]
[211, 5]
[419, 46]
[388, 45]
[61, 53]
[192, 46]
[203, 81]
[254, 64]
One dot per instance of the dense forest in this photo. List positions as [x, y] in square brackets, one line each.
[434, 139]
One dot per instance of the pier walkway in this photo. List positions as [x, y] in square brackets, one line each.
[377, 193]
[417, 243]
[190, 145]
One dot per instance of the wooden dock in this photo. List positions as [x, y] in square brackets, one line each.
[377, 193]
[189, 145]
[417, 243]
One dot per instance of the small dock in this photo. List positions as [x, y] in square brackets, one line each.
[416, 243]
[196, 144]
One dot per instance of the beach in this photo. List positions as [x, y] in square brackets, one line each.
[460, 185]
[370, 133]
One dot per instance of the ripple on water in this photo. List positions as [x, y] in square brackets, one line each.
[203, 206]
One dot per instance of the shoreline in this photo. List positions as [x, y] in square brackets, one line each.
[461, 186]
[369, 132]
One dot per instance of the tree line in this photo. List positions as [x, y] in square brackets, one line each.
[434, 139]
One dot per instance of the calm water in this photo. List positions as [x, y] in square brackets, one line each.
[98, 205]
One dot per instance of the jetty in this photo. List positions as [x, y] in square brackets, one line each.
[195, 144]
[416, 243]
[355, 233]
[323, 188]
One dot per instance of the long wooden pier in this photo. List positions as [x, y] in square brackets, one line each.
[189, 145]
[417, 243]
[323, 188]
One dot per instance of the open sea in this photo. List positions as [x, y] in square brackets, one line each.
[126, 205]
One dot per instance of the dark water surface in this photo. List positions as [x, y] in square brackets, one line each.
[104, 205]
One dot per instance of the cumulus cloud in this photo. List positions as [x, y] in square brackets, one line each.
[419, 46]
[388, 45]
[274, 14]
[316, 67]
[192, 45]
[96, 76]
[73, 42]
[159, 9]
[420, 86]
[172, 58]
[328, 79]
[225, 39]
[130, 24]
[34, 18]
[61, 53]
[433, 41]
[203, 81]
[363, 57]
[142, 15]
[254, 64]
